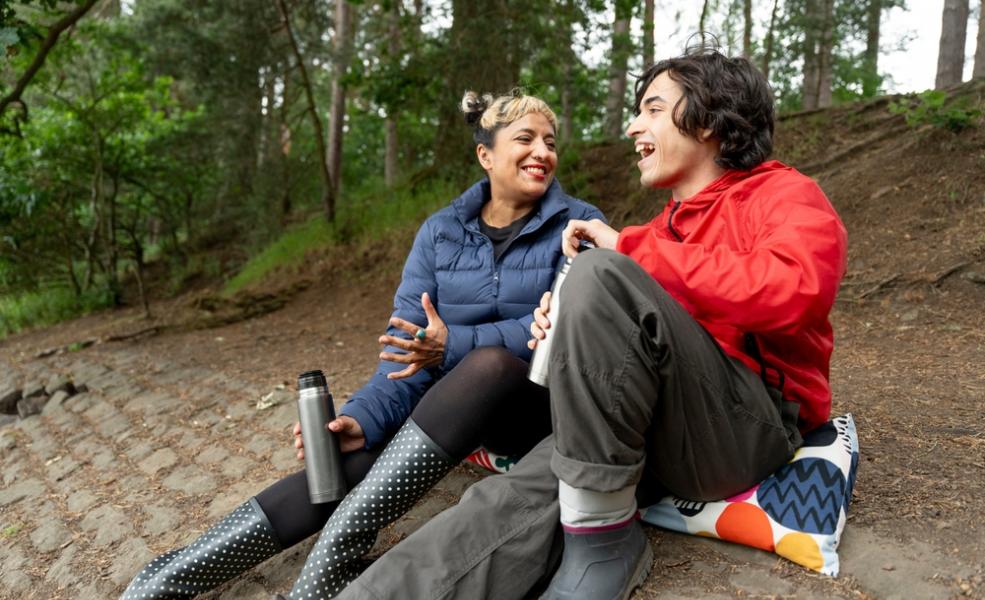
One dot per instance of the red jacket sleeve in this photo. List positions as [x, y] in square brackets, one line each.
[784, 274]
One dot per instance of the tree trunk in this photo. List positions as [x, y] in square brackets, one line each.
[747, 30]
[621, 47]
[870, 77]
[978, 71]
[812, 70]
[470, 66]
[701, 22]
[954, 30]
[390, 159]
[825, 76]
[343, 55]
[328, 188]
[768, 51]
[648, 49]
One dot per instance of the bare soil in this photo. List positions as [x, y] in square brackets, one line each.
[909, 321]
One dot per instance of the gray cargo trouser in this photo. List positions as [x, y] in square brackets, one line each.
[640, 394]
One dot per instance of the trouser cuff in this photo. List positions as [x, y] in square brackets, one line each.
[595, 476]
[589, 511]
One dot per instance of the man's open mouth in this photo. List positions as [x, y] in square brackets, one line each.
[645, 149]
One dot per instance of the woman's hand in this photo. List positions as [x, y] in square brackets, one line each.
[421, 351]
[594, 231]
[350, 435]
[540, 323]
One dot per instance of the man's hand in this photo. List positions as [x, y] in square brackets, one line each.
[420, 352]
[594, 231]
[350, 435]
[540, 322]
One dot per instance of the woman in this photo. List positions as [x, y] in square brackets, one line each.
[454, 355]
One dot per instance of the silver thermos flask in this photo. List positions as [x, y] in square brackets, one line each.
[322, 456]
[538, 362]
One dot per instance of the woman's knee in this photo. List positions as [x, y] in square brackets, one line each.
[488, 365]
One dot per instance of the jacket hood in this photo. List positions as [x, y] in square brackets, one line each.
[468, 205]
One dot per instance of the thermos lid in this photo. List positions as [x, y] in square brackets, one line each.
[311, 379]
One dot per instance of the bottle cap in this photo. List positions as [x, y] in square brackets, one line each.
[311, 379]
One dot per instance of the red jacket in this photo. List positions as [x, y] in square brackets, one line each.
[758, 252]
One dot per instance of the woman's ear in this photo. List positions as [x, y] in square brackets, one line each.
[485, 156]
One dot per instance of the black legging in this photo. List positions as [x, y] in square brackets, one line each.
[486, 400]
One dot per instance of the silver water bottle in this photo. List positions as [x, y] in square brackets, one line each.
[538, 362]
[322, 456]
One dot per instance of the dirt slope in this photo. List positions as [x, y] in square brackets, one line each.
[910, 345]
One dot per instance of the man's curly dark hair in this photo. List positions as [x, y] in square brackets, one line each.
[728, 96]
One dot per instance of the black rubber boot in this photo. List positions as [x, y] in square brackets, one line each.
[239, 542]
[408, 467]
[602, 566]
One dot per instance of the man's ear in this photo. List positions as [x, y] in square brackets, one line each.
[485, 156]
[705, 135]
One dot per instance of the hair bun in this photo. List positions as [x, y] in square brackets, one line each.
[473, 105]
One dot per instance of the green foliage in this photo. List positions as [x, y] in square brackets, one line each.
[371, 212]
[931, 108]
[38, 308]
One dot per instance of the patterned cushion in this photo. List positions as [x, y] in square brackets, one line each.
[798, 512]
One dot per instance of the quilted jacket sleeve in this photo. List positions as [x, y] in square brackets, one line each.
[382, 405]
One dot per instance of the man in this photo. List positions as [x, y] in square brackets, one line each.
[689, 354]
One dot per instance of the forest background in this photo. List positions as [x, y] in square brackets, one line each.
[151, 146]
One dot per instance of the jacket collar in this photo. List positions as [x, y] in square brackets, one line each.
[711, 192]
[468, 205]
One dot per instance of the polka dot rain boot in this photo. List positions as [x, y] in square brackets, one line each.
[408, 467]
[237, 543]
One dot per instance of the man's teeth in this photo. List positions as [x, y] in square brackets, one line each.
[645, 149]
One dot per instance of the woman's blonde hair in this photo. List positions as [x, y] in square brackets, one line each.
[488, 114]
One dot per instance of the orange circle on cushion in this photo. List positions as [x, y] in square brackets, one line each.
[801, 549]
[745, 524]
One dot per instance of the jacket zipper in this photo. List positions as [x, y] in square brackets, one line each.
[670, 218]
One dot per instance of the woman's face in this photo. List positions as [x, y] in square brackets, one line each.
[522, 160]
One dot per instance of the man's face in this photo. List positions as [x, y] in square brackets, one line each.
[670, 158]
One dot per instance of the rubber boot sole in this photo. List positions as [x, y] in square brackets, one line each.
[640, 574]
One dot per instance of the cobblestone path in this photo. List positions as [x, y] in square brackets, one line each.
[154, 452]
[142, 462]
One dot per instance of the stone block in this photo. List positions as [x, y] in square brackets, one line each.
[81, 501]
[151, 403]
[8, 441]
[131, 555]
[139, 450]
[33, 388]
[160, 519]
[28, 488]
[15, 580]
[30, 406]
[6, 420]
[236, 466]
[61, 468]
[107, 525]
[59, 383]
[162, 459]
[60, 572]
[113, 426]
[190, 479]
[80, 402]
[8, 399]
[212, 455]
[50, 535]
[55, 403]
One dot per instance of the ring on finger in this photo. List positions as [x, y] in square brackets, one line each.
[421, 334]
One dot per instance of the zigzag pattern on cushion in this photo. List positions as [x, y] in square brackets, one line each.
[806, 495]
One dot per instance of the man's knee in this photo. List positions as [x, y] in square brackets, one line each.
[604, 275]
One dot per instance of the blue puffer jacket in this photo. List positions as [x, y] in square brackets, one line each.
[484, 302]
